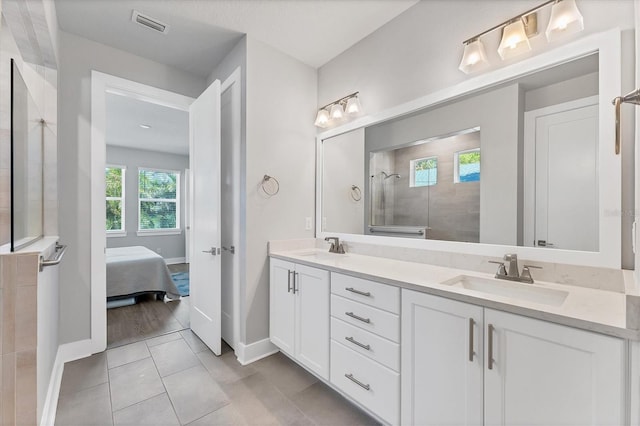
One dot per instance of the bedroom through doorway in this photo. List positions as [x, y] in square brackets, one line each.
[156, 202]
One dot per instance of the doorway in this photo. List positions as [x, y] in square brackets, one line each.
[102, 85]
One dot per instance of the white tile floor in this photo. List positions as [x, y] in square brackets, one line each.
[173, 379]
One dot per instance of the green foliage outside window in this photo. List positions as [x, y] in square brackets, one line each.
[158, 199]
[469, 157]
[113, 181]
[426, 164]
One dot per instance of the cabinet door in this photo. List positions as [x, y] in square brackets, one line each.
[442, 361]
[548, 374]
[282, 305]
[312, 318]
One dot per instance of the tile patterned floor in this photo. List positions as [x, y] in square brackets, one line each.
[174, 379]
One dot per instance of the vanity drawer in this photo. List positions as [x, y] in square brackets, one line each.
[381, 296]
[366, 317]
[367, 344]
[372, 385]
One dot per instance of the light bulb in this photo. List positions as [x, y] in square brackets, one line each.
[336, 112]
[353, 106]
[565, 19]
[514, 40]
[322, 119]
[474, 57]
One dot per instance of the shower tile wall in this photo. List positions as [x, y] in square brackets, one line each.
[452, 210]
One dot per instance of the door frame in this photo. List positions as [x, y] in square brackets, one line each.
[233, 83]
[101, 84]
[529, 160]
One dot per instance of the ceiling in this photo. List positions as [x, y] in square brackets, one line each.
[169, 130]
[202, 32]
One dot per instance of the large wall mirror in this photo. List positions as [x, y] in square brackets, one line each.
[524, 161]
[26, 164]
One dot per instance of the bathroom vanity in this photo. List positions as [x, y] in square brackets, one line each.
[418, 344]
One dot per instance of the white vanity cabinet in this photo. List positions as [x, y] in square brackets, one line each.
[365, 349]
[467, 365]
[299, 313]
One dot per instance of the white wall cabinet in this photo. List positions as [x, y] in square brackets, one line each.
[466, 365]
[299, 313]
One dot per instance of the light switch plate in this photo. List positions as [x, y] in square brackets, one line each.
[308, 224]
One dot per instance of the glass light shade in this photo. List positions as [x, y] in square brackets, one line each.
[514, 40]
[474, 57]
[353, 106]
[322, 119]
[336, 112]
[565, 19]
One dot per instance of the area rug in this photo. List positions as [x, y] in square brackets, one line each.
[182, 282]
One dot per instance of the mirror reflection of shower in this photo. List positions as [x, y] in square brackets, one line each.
[381, 191]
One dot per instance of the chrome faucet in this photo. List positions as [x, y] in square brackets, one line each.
[512, 273]
[336, 247]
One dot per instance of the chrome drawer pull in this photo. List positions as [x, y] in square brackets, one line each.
[357, 382]
[352, 315]
[362, 293]
[355, 342]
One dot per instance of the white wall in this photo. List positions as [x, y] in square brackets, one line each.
[281, 106]
[168, 246]
[78, 56]
[418, 53]
[343, 166]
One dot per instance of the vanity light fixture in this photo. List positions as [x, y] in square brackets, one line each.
[516, 32]
[336, 111]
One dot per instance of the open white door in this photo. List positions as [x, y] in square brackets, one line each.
[204, 160]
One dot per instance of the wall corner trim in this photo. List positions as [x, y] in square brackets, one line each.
[66, 353]
[252, 352]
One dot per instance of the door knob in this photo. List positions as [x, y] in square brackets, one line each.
[231, 249]
[213, 251]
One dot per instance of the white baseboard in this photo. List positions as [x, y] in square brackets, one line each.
[175, 260]
[66, 353]
[252, 352]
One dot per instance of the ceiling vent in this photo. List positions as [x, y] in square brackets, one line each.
[149, 22]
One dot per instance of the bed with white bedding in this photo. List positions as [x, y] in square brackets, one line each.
[136, 270]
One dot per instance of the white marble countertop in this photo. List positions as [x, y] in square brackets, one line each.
[589, 309]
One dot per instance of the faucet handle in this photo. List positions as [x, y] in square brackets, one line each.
[526, 273]
[502, 270]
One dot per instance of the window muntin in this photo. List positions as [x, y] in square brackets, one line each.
[115, 198]
[466, 166]
[158, 200]
[423, 172]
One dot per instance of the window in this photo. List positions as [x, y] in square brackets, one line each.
[466, 166]
[424, 172]
[114, 184]
[158, 198]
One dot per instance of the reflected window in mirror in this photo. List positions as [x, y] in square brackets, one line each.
[424, 171]
[466, 166]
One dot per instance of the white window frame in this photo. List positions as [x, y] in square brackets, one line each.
[122, 232]
[412, 171]
[456, 163]
[164, 231]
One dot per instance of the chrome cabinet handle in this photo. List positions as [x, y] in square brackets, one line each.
[490, 329]
[357, 382]
[471, 352]
[362, 293]
[289, 281]
[352, 315]
[355, 342]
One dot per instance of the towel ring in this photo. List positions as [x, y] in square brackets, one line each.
[270, 185]
[355, 193]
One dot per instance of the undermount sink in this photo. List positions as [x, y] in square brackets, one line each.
[321, 255]
[514, 290]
